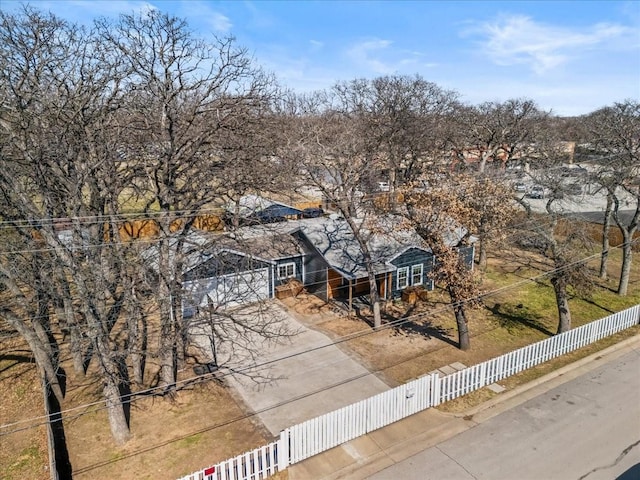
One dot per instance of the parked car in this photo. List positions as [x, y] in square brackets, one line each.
[384, 186]
[312, 212]
[520, 187]
[537, 191]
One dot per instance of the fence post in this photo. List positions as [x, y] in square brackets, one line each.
[435, 389]
[283, 450]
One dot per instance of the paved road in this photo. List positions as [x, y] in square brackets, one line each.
[598, 217]
[585, 429]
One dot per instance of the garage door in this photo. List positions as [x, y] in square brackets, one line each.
[226, 291]
[243, 288]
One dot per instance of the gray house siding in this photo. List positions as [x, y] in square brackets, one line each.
[407, 260]
[315, 268]
[297, 261]
[467, 254]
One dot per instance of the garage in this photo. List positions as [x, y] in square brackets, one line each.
[226, 280]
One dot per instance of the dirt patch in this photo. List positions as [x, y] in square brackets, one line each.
[202, 425]
[23, 448]
[171, 438]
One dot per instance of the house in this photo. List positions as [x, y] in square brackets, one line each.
[335, 266]
[222, 271]
[240, 270]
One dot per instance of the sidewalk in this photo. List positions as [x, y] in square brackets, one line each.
[371, 453]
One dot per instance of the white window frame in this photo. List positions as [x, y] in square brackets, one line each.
[286, 267]
[415, 270]
[405, 271]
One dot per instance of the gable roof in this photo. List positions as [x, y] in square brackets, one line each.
[226, 252]
[331, 237]
[224, 262]
[260, 206]
[335, 241]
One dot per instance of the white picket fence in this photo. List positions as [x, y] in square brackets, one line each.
[334, 428]
[255, 465]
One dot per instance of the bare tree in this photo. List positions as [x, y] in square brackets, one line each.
[560, 248]
[614, 135]
[405, 120]
[60, 90]
[28, 313]
[189, 97]
[325, 142]
[493, 203]
[558, 245]
[496, 132]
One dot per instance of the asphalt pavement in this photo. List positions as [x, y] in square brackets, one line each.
[586, 429]
[579, 422]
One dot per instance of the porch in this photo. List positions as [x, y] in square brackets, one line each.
[350, 291]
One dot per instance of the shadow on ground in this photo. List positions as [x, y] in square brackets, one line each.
[513, 317]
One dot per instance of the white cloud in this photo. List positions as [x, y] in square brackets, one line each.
[378, 57]
[364, 54]
[219, 22]
[518, 39]
[199, 13]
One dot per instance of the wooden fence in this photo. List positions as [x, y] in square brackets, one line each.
[334, 428]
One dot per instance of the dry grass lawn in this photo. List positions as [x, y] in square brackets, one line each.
[205, 424]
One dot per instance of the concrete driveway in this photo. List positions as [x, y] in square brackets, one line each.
[296, 379]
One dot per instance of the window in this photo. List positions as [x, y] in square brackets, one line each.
[416, 274]
[286, 270]
[403, 278]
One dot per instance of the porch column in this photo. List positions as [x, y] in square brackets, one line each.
[350, 297]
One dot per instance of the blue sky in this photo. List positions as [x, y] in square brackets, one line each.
[570, 57]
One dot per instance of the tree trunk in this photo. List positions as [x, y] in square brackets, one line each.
[167, 350]
[167, 340]
[627, 254]
[375, 304]
[77, 349]
[53, 380]
[374, 293]
[117, 419]
[117, 397]
[374, 296]
[464, 341]
[115, 380]
[138, 347]
[59, 462]
[482, 253]
[606, 227]
[67, 317]
[562, 300]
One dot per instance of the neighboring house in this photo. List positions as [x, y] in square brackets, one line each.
[254, 209]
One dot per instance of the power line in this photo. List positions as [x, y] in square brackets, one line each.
[307, 272]
[132, 397]
[192, 323]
